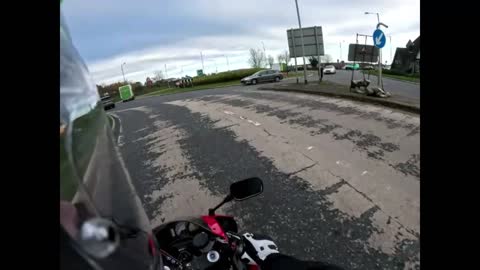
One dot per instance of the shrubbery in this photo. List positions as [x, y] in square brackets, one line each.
[224, 76]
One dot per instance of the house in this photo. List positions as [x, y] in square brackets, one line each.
[407, 60]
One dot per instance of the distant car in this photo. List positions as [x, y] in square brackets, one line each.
[368, 68]
[350, 67]
[107, 102]
[329, 70]
[268, 75]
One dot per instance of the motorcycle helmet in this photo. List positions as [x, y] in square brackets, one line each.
[102, 222]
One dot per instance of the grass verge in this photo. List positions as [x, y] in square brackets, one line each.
[169, 91]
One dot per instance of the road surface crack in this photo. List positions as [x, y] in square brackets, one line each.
[228, 126]
[344, 182]
[301, 170]
[266, 131]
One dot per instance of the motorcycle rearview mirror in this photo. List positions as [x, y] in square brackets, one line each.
[246, 189]
[240, 191]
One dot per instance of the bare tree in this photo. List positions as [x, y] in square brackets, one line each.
[158, 75]
[257, 58]
[287, 58]
[280, 58]
[270, 61]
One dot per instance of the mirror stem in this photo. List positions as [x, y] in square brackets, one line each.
[211, 211]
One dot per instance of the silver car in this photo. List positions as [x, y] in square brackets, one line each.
[269, 75]
[329, 70]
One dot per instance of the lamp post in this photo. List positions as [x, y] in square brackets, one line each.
[391, 59]
[123, 73]
[341, 49]
[228, 65]
[373, 13]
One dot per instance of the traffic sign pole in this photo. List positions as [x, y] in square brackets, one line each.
[380, 68]
[379, 40]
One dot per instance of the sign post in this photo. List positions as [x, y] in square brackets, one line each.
[295, 57]
[379, 40]
[302, 42]
[318, 55]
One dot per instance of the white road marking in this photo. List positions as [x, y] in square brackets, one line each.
[343, 163]
[113, 120]
[254, 122]
[229, 112]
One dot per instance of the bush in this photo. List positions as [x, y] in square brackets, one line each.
[224, 76]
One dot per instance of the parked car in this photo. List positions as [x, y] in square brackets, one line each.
[368, 68]
[107, 102]
[268, 75]
[350, 67]
[329, 70]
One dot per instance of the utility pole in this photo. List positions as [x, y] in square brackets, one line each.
[123, 73]
[391, 59]
[228, 65]
[201, 56]
[303, 46]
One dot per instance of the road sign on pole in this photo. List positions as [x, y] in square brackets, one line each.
[379, 38]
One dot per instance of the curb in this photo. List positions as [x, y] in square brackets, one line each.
[366, 99]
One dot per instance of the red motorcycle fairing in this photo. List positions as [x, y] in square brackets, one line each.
[228, 224]
[214, 225]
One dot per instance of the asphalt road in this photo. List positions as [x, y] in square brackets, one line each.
[342, 179]
[396, 87]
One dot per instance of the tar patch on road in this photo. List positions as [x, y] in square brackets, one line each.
[409, 167]
[367, 142]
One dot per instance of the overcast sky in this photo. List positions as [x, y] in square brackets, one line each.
[149, 34]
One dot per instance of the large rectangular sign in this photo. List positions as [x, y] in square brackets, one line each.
[312, 40]
[362, 53]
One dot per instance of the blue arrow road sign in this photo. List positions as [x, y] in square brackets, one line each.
[379, 38]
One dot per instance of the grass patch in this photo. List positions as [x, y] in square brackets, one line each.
[169, 91]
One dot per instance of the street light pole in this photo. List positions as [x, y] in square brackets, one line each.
[303, 46]
[391, 59]
[341, 50]
[123, 73]
[201, 56]
[228, 65]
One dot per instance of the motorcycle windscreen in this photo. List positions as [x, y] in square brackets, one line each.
[93, 178]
